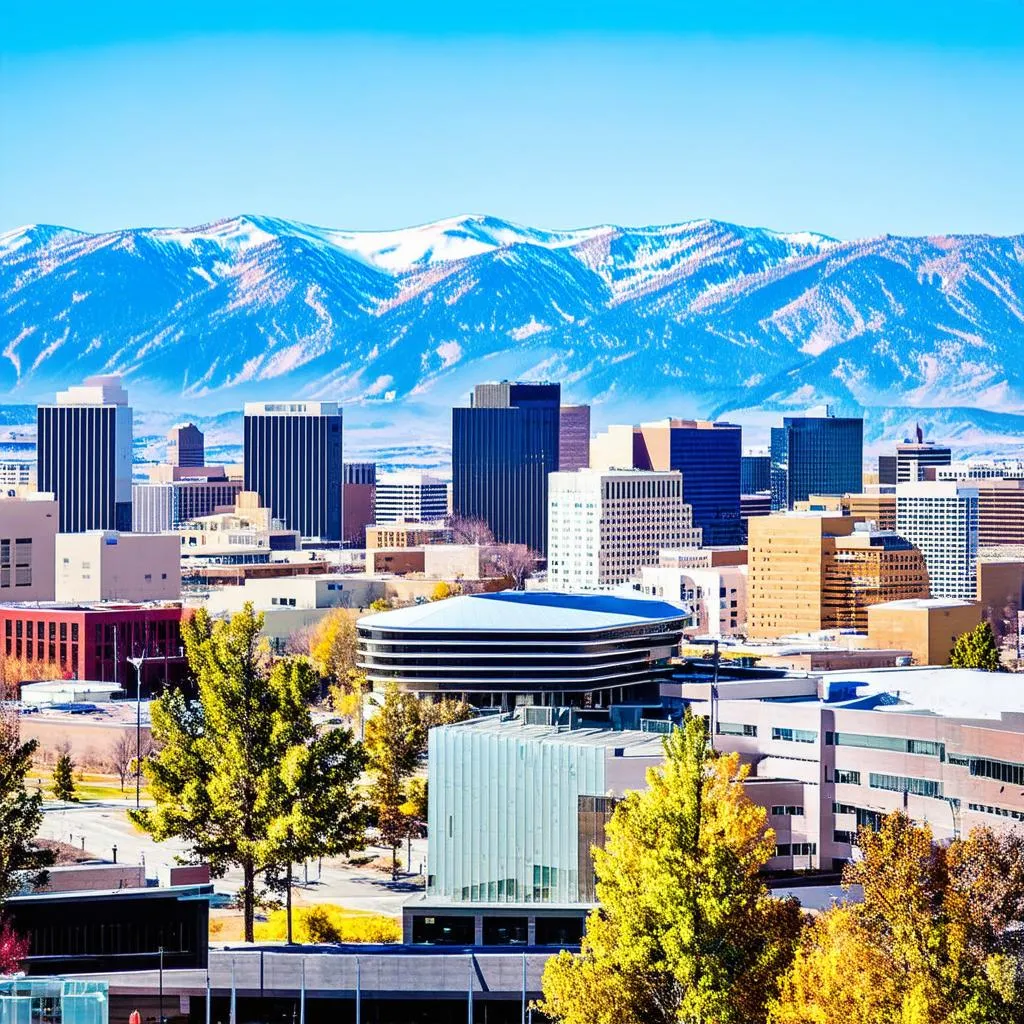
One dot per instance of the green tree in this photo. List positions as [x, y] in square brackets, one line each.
[976, 648]
[63, 781]
[242, 774]
[21, 812]
[394, 742]
[686, 931]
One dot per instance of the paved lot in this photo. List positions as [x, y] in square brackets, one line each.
[103, 825]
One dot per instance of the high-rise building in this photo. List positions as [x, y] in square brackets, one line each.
[755, 472]
[504, 446]
[293, 462]
[84, 455]
[603, 527]
[157, 507]
[573, 438]
[186, 446]
[816, 455]
[887, 470]
[918, 460]
[879, 509]
[1000, 513]
[941, 521]
[410, 497]
[809, 572]
[358, 495]
[707, 454]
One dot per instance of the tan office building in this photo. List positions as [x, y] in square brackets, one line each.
[28, 527]
[926, 628]
[1000, 513]
[103, 565]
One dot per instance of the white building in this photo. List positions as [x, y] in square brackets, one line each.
[941, 520]
[103, 565]
[17, 473]
[715, 597]
[412, 497]
[28, 528]
[979, 469]
[604, 526]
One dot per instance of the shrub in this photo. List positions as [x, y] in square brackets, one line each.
[325, 922]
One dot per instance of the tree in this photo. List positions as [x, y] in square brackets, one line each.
[242, 774]
[21, 812]
[515, 562]
[467, 530]
[13, 949]
[976, 648]
[686, 930]
[443, 712]
[333, 644]
[443, 590]
[63, 781]
[381, 604]
[394, 743]
[122, 753]
[935, 939]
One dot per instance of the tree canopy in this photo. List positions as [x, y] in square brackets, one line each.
[686, 931]
[243, 775]
[977, 648]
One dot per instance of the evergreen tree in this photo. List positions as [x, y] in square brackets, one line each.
[686, 931]
[63, 782]
[243, 775]
[21, 812]
[976, 648]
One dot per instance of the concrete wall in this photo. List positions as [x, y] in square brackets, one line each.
[35, 519]
[109, 566]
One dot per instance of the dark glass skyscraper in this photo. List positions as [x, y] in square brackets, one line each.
[503, 448]
[755, 474]
[84, 455]
[293, 461]
[816, 455]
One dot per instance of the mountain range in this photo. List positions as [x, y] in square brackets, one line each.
[702, 318]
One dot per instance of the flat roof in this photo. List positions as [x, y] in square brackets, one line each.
[911, 603]
[514, 611]
[633, 742]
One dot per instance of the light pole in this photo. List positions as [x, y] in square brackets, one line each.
[138, 662]
[161, 985]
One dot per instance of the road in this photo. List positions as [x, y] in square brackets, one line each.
[102, 825]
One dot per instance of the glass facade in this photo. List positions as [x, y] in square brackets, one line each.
[755, 474]
[709, 459]
[816, 455]
[505, 809]
[53, 1001]
[503, 449]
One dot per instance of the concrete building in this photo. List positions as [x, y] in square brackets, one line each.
[918, 460]
[816, 454]
[926, 628]
[811, 571]
[17, 473]
[525, 647]
[573, 438]
[602, 527]
[159, 507]
[249, 526]
[879, 509]
[707, 454]
[408, 535]
[504, 446]
[702, 558]
[102, 565]
[358, 494]
[1000, 513]
[84, 455]
[982, 469]
[941, 521]
[28, 528]
[293, 460]
[716, 598]
[410, 497]
[186, 446]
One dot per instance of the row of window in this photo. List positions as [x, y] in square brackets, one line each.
[900, 744]
[779, 810]
[906, 784]
[1003, 812]
[789, 735]
[795, 849]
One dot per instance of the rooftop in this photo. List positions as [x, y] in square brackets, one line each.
[921, 603]
[515, 611]
[632, 742]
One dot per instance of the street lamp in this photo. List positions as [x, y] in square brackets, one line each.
[138, 662]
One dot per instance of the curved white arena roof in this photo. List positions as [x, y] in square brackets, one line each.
[528, 611]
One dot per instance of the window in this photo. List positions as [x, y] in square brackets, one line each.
[795, 735]
[735, 729]
[848, 776]
[906, 784]
[789, 809]
[900, 744]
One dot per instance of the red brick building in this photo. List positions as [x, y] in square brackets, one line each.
[94, 642]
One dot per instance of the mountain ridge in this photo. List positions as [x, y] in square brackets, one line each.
[704, 317]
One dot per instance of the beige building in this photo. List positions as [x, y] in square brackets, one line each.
[926, 628]
[1000, 513]
[407, 535]
[879, 509]
[715, 597]
[248, 526]
[604, 527]
[28, 528]
[812, 571]
[103, 565]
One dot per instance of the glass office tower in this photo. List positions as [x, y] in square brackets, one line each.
[816, 455]
[293, 462]
[755, 474]
[503, 448]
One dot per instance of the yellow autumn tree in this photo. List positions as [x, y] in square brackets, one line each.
[333, 643]
[686, 930]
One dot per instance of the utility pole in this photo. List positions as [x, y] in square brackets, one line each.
[138, 661]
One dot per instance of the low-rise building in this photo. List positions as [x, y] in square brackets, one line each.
[716, 598]
[158, 507]
[28, 531]
[248, 526]
[410, 497]
[407, 535]
[926, 628]
[103, 565]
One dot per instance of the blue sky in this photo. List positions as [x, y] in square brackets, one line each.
[851, 118]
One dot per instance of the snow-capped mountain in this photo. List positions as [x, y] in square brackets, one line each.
[699, 318]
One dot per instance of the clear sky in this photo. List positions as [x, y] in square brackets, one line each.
[852, 118]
